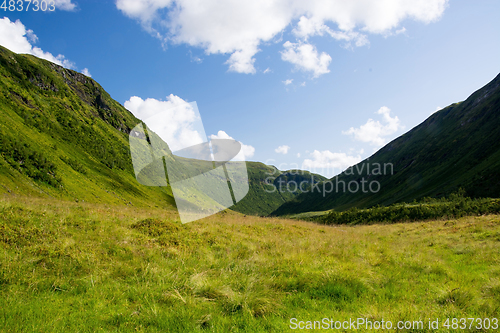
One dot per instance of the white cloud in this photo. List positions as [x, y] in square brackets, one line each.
[287, 82]
[30, 35]
[144, 10]
[197, 60]
[242, 62]
[174, 120]
[178, 123]
[86, 72]
[246, 151]
[194, 58]
[239, 28]
[298, 155]
[282, 149]
[400, 31]
[307, 27]
[267, 70]
[65, 5]
[305, 57]
[374, 132]
[15, 37]
[329, 164]
[394, 32]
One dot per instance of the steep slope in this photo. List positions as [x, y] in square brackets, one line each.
[63, 136]
[458, 146]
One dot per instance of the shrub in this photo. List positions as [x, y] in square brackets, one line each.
[22, 157]
[456, 205]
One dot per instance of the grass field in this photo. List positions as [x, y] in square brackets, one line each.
[77, 267]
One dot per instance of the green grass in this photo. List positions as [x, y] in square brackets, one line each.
[78, 267]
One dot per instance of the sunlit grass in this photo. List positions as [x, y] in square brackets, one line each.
[71, 267]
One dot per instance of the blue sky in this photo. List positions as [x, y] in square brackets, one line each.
[331, 80]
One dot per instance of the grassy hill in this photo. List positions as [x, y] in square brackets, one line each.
[456, 147]
[63, 136]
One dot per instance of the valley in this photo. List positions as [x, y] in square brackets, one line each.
[85, 247]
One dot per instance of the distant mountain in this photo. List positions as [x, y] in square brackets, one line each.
[456, 147]
[264, 195]
[63, 136]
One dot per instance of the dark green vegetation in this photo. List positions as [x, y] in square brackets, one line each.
[455, 206]
[24, 159]
[63, 136]
[458, 146]
[264, 195]
[80, 267]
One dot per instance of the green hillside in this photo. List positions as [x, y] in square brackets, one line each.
[456, 147]
[63, 136]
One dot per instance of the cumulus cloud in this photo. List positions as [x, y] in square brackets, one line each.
[305, 57]
[86, 72]
[242, 61]
[287, 82]
[144, 10]
[64, 5]
[282, 149]
[374, 132]
[178, 123]
[18, 39]
[307, 27]
[239, 28]
[174, 120]
[329, 164]
[246, 151]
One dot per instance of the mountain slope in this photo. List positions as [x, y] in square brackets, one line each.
[264, 195]
[63, 136]
[458, 146]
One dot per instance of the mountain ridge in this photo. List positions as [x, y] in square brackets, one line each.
[455, 147]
